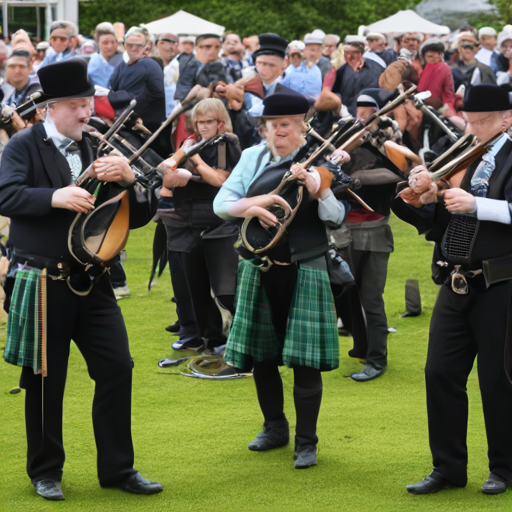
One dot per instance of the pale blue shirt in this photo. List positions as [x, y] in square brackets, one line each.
[303, 79]
[100, 70]
[245, 172]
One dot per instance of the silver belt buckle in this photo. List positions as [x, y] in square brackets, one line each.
[459, 282]
[266, 263]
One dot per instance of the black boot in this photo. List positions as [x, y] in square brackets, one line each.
[269, 438]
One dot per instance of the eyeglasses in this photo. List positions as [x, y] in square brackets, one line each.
[207, 122]
[59, 38]
[133, 46]
[172, 41]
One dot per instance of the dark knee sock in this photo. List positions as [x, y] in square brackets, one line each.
[307, 394]
[269, 388]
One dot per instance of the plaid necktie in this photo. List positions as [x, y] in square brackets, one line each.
[480, 180]
[69, 148]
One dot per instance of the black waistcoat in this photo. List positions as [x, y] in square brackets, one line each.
[492, 239]
[378, 197]
[306, 235]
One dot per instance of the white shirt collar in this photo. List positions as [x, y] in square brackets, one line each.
[53, 133]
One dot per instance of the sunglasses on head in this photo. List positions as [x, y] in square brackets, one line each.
[168, 40]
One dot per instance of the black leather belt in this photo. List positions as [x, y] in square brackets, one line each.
[56, 269]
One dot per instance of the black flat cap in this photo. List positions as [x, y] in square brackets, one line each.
[65, 80]
[375, 97]
[432, 45]
[486, 98]
[285, 102]
[271, 44]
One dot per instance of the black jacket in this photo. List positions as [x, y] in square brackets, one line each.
[464, 78]
[31, 169]
[349, 84]
[193, 72]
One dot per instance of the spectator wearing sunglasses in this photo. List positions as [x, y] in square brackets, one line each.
[63, 40]
[469, 71]
[102, 64]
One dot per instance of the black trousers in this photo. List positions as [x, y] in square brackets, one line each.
[117, 274]
[211, 265]
[464, 327]
[370, 272]
[96, 325]
[279, 283]
[350, 310]
[184, 307]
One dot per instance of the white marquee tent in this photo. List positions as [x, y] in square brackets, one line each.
[182, 22]
[407, 21]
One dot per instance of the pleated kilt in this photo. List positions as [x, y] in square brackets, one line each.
[24, 321]
[311, 334]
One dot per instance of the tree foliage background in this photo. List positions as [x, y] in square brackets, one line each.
[291, 19]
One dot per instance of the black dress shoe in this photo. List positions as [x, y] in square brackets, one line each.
[432, 483]
[137, 484]
[49, 489]
[194, 344]
[368, 373]
[495, 484]
[174, 328]
[305, 456]
[269, 438]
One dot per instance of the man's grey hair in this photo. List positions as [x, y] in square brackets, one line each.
[143, 31]
[67, 25]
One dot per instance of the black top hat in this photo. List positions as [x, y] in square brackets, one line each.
[65, 80]
[285, 102]
[486, 98]
[375, 97]
[271, 44]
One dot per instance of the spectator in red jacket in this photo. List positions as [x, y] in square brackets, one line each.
[436, 76]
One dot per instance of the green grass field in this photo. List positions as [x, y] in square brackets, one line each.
[192, 435]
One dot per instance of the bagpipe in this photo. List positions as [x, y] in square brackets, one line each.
[347, 136]
[13, 119]
[97, 237]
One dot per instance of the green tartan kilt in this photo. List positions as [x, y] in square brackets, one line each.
[23, 322]
[311, 334]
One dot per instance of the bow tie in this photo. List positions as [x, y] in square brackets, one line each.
[69, 148]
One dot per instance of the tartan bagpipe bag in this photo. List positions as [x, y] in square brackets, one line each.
[26, 324]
